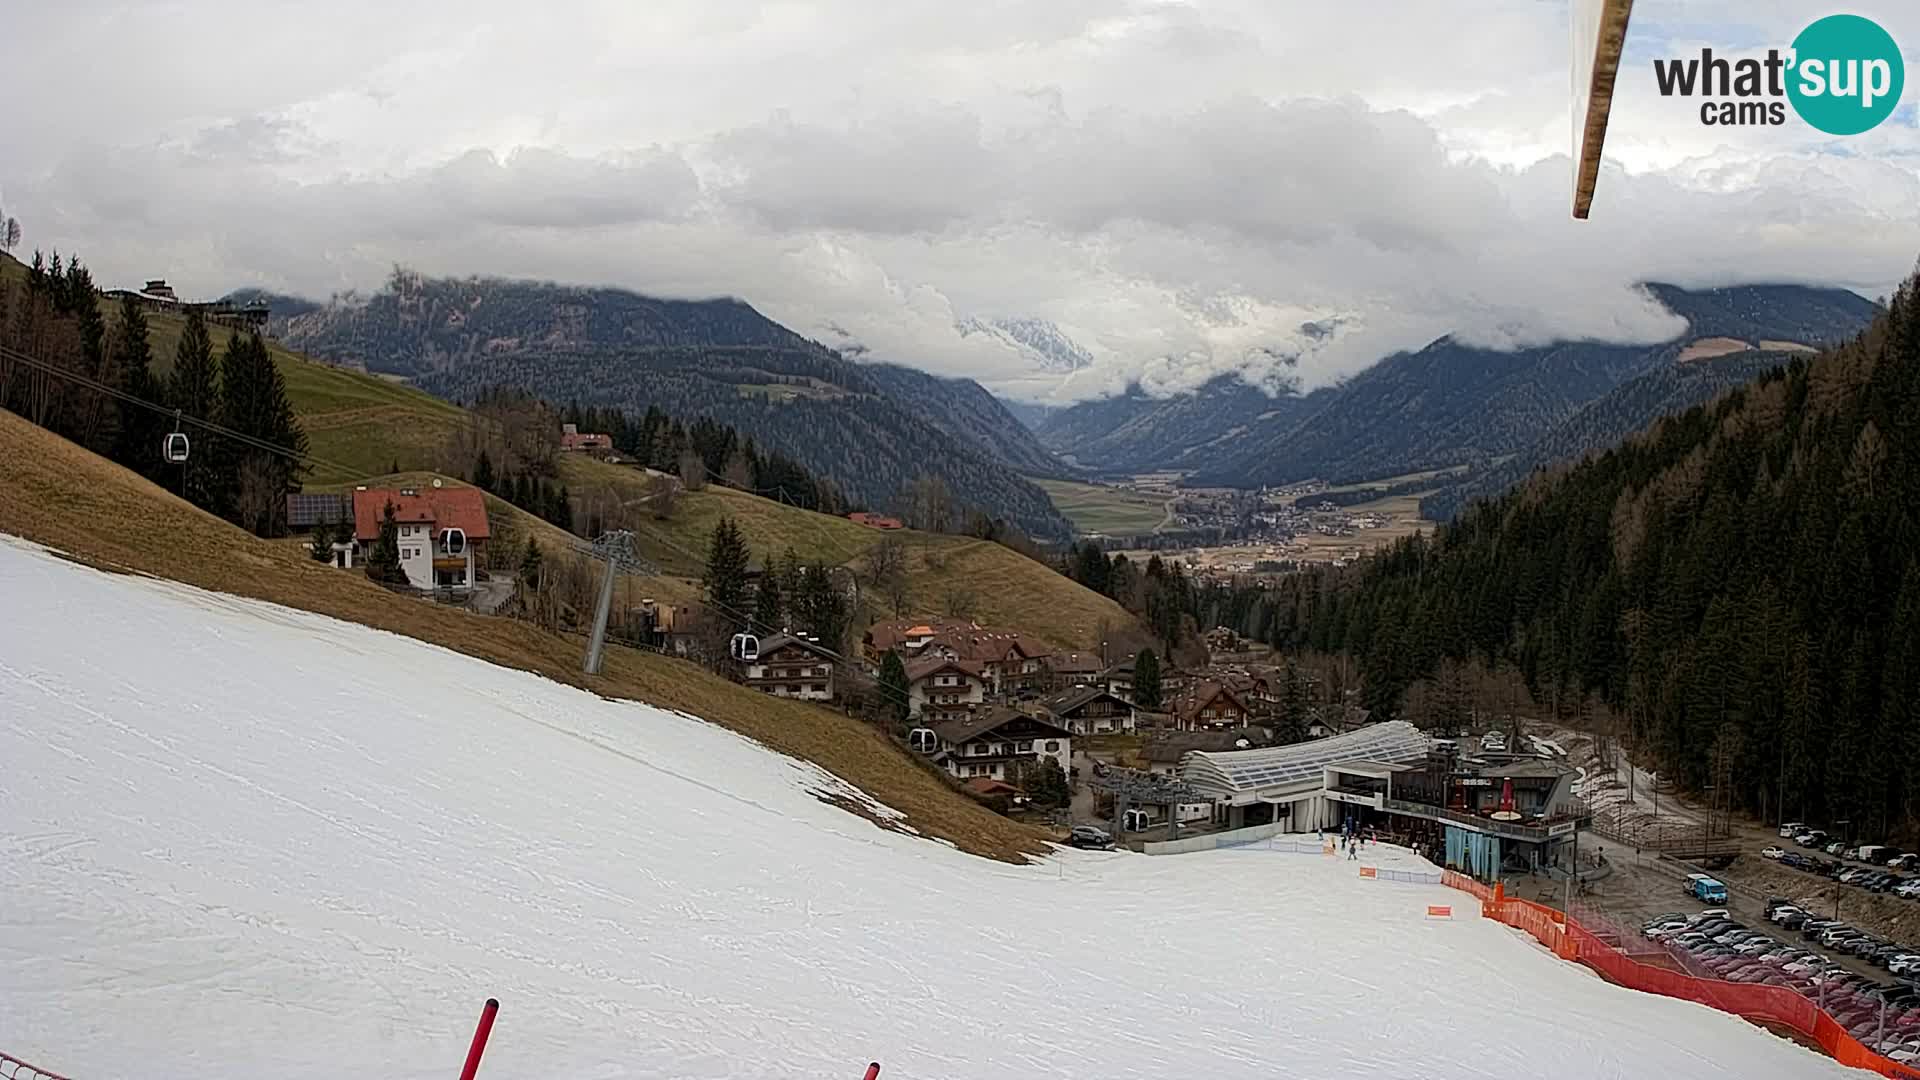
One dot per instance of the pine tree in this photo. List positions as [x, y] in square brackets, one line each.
[321, 547]
[725, 580]
[141, 428]
[483, 472]
[822, 607]
[1146, 680]
[1292, 726]
[383, 559]
[254, 402]
[194, 390]
[530, 563]
[769, 611]
[894, 689]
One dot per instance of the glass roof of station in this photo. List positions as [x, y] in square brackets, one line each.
[1394, 742]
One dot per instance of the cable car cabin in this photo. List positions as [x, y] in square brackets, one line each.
[746, 648]
[922, 740]
[173, 449]
[453, 542]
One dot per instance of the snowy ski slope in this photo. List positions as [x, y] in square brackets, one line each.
[243, 841]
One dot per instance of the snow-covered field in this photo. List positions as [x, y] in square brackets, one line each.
[241, 841]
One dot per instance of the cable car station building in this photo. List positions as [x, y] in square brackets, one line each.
[1477, 817]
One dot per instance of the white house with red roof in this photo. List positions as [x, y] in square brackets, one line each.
[443, 531]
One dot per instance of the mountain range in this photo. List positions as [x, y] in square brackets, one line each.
[1447, 405]
[872, 429]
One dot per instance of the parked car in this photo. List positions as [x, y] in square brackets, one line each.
[1835, 847]
[1771, 852]
[1791, 829]
[1087, 836]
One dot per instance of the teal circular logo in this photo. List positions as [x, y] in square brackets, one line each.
[1847, 74]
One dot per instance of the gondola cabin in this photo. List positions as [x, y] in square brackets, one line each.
[746, 648]
[173, 449]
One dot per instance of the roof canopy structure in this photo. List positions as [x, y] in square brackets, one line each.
[1242, 772]
[1599, 35]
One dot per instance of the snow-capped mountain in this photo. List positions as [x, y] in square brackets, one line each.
[1045, 344]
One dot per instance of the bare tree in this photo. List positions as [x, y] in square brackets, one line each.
[931, 504]
[738, 472]
[663, 496]
[693, 470]
[960, 602]
[9, 234]
[524, 429]
[260, 492]
[887, 570]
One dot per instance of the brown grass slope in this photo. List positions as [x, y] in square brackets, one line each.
[1008, 590]
[57, 494]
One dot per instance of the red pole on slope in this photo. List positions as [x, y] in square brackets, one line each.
[480, 1039]
[873, 1071]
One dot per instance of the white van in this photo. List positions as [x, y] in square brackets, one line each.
[1793, 828]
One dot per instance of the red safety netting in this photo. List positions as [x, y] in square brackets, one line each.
[1772, 1005]
[12, 1068]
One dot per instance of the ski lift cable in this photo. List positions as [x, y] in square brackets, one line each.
[12, 354]
[179, 415]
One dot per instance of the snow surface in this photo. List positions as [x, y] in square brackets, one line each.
[243, 841]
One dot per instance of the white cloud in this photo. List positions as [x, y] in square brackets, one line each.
[1179, 186]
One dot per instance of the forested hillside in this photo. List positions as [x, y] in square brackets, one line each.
[1445, 405]
[1630, 407]
[1743, 582]
[965, 410]
[719, 359]
[1135, 433]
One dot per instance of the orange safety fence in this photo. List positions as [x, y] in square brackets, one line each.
[1774, 1005]
[1454, 879]
[12, 1068]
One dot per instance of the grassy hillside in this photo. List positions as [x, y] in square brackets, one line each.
[1008, 590]
[358, 424]
[55, 493]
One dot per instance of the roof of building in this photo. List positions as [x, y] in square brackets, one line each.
[1528, 767]
[984, 785]
[928, 665]
[1074, 663]
[304, 511]
[877, 521]
[1175, 745]
[443, 508]
[584, 440]
[1393, 742]
[1068, 700]
[981, 722]
[773, 643]
[969, 641]
[1189, 704]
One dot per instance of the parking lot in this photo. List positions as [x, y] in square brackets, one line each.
[1639, 888]
[1778, 951]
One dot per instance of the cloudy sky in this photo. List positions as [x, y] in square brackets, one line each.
[1180, 187]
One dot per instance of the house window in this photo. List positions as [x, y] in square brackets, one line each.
[1026, 747]
[1053, 746]
[979, 749]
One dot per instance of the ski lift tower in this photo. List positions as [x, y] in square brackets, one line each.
[1147, 789]
[616, 548]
